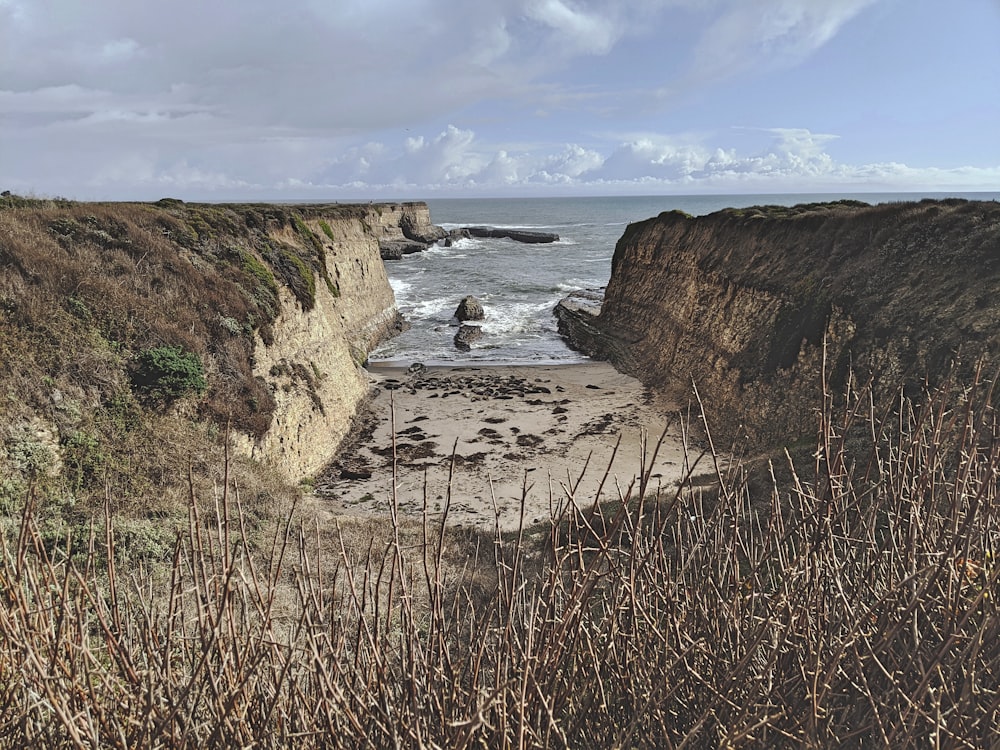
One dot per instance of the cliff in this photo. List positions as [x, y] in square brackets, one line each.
[740, 303]
[129, 331]
[313, 365]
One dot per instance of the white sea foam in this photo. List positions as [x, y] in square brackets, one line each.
[518, 284]
[434, 308]
[401, 288]
[438, 250]
[515, 318]
[574, 285]
[466, 243]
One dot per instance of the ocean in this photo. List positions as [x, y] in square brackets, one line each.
[519, 284]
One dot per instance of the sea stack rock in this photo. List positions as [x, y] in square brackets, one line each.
[466, 336]
[469, 308]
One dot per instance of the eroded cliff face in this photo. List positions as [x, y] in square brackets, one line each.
[313, 365]
[277, 306]
[751, 305]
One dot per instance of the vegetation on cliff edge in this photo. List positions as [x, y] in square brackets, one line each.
[127, 341]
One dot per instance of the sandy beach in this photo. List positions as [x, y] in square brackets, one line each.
[508, 427]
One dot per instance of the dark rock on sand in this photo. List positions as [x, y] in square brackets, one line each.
[479, 386]
[576, 316]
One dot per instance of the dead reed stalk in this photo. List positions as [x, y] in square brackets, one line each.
[852, 604]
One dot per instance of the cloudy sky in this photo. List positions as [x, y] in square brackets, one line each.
[318, 99]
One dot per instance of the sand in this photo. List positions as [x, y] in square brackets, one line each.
[509, 428]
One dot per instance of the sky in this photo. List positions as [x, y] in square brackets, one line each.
[378, 99]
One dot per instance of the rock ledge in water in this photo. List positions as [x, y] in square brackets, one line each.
[518, 235]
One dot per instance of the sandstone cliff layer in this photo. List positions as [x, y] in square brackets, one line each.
[741, 302]
[276, 306]
[313, 366]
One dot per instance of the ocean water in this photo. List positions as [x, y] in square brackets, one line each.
[519, 284]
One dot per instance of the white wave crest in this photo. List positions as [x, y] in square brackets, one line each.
[466, 243]
[515, 318]
[400, 288]
[573, 285]
[432, 308]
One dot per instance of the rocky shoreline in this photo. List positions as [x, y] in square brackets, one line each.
[416, 239]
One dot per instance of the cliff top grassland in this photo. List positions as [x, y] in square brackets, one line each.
[127, 340]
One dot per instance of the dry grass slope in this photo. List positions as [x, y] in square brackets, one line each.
[127, 336]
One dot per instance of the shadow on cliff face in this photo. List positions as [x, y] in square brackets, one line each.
[758, 306]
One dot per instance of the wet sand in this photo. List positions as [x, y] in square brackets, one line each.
[508, 427]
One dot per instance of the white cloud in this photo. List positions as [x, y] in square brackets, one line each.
[109, 97]
[580, 31]
[447, 158]
[456, 161]
[791, 159]
[654, 157]
[119, 50]
[571, 162]
[754, 33]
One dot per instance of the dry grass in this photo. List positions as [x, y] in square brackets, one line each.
[853, 606]
[85, 291]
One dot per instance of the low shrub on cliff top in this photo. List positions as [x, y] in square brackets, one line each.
[165, 373]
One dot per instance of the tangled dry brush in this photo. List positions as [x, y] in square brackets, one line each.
[849, 601]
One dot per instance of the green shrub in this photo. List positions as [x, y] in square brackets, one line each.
[306, 233]
[326, 229]
[166, 373]
[83, 460]
[300, 278]
[310, 235]
[143, 541]
[79, 309]
[28, 455]
[265, 292]
[13, 491]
